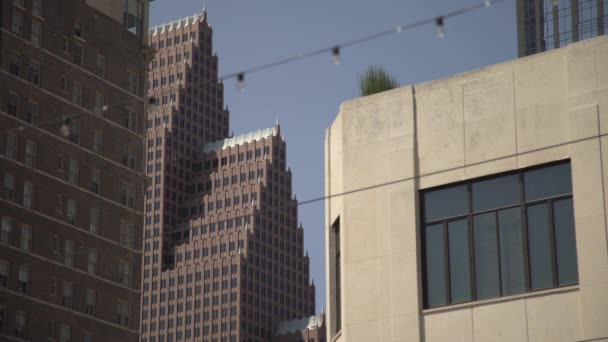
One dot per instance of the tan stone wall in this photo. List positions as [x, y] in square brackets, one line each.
[525, 112]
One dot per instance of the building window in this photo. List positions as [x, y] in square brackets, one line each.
[99, 103]
[51, 330]
[38, 7]
[68, 294]
[9, 187]
[94, 221]
[28, 194]
[20, 324]
[77, 30]
[17, 26]
[65, 334]
[4, 273]
[64, 83]
[75, 131]
[92, 261]
[128, 158]
[126, 234]
[124, 273]
[72, 211]
[337, 302]
[34, 73]
[24, 280]
[11, 146]
[26, 237]
[133, 82]
[78, 54]
[69, 254]
[98, 142]
[2, 317]
[123, 313]
[130, 119]
[36, 32]
[90, 302]
[499, 236]
[128, 195]
[95, 181]
[13, 103]
[30, 154]
[100, 65]
[74, 172]
[33, 112]
[77, 93]
[134, 17]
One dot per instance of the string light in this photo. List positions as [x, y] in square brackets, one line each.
[335, 51]
[440, 28]
[240, 82]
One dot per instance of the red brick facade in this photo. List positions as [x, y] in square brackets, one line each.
[72, 206]
[223, 256]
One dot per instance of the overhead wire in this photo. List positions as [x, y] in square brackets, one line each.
[337, 48]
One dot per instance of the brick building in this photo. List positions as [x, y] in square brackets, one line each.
[71, 107]
[223, 255]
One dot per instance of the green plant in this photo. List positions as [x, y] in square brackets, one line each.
[375, 80]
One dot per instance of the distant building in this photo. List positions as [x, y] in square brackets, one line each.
[309, 329]
[223, 253]
[473, 207]
[549, 24]
[72, 77]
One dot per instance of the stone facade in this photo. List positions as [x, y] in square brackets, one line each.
[540, 109]
[72, 201]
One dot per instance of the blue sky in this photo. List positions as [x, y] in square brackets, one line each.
[306, 95]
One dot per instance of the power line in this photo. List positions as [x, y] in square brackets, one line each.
[336, 49]
[265, 211]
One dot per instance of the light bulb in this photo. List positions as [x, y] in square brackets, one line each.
[240, 82]
[336, 55]
[440, 29]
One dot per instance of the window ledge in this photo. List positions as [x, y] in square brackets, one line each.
[502, 299]
[337, 336]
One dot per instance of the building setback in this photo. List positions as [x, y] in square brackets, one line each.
[223, 255]
[310, 329]
[549, 24]
[72, 75]
[483, 214]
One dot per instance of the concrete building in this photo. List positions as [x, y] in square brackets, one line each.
[309, 329]
[474, 206]
[223, 252]
[72, 75]
[549, 24]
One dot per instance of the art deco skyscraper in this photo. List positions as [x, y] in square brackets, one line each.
[223, 255]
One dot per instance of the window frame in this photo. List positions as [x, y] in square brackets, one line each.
[470, 214]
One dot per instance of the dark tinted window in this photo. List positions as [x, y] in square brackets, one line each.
[435, 266]
[444, 203]
[548, 182]
[495, 193]
[504, 243]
